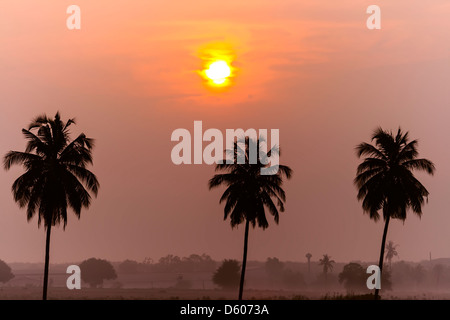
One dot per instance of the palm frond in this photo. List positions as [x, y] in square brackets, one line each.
[366, 149]
[38, 121]
[86, 176]
[420, 164]
[267, 201]
[17, 157]
[371, 163]
[68, 123]
[34, 143]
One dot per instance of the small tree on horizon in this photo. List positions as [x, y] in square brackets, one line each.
[327, 264]
[391, 251]
[5, 272]
[353, 277]
[94, 271]
[227, 275]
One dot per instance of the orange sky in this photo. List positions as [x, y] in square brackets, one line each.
[308, 68]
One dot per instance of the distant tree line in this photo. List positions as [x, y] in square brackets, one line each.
[170, 263]
[279, 274]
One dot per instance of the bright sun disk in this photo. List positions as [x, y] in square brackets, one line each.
[218, 72]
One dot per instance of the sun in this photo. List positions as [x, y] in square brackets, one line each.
[217, 67]
[218, 72]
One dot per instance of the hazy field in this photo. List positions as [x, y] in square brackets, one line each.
[198, 285]
[140, 294]
[35, 293]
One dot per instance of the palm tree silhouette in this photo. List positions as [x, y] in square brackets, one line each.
[391, 251]
[248, 191]
[309, 256]
[327, 264]
[385, 180]
[55, 169]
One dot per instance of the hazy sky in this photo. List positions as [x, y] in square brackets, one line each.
[308, 68]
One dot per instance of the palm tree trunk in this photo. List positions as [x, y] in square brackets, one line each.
[47, 259]
[383, 244]
[244, 260]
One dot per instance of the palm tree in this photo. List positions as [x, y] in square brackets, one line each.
[249, 192]
[327, 264]
[309, 256]
[391, 251]
[55, 171]
[385, 180]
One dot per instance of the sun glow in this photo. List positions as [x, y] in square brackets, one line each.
[217, 65]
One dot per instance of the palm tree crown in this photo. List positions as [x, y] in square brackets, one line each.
[249, 192]
[391, 251]
[385, 179]
[326, 263]
[55, 169]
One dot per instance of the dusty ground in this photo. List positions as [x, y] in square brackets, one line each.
[142, 294]
[56, 293]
